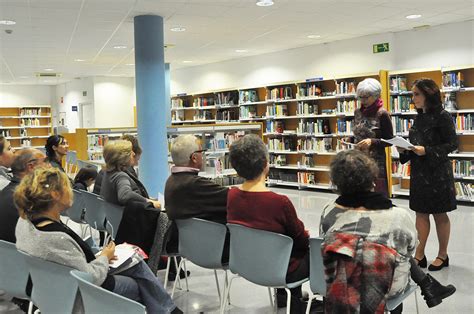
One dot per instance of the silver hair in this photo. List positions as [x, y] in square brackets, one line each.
[182, 148]
[369, 86]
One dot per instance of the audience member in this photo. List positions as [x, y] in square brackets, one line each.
[6, 159]
[26, 160]
[368, 243]
[56, 148]
[41, 197]
[85, 178]
[253, 205]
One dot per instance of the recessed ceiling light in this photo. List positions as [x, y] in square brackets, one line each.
[130, 64]
[120, 47]
[7, 22]
[178, 29]
[187, 61]
[264, 3]
[23, 77]
[79, 60]
[314, 36]
[241, 50]
[413, 16]
[48, 69]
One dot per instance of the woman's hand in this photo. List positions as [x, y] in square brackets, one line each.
[155, 203]
[364, 144]
[419, 150]
[109, 252]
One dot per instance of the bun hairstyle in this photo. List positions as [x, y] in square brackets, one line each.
[53, 140]
[33, 194]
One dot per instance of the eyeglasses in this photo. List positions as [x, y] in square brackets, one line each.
[36, 160]
[196, 152]
[364, 97]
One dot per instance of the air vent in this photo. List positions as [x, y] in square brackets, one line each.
[48, 74]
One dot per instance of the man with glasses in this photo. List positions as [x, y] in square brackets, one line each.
[188, 195]
[26, 161]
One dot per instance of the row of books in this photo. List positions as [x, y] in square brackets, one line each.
[281, 175]
[250, 95]
[345, 87]
[306, 178]
[247, 112]
[401, 169]
[203, 115]
[304, 108]
[398, 84]
[319, 126]
[314, 144]
[347, 106]
[218, 164]
[277, 110]
[306, 161]
[343, 126]
[309, 90]
[227, 98]
[5, 133]
[221, 140]
[227, 115]
[228, 180]
[453, 79]
[203, 101]
[30, 122]
[30, 112]
[281, 144]
[25, 143]
[464, 122]
[95, 156]
[463, 168]
[401, 124]
[275, 126]
[464, 190]
[96, 141]
[278, 160]
[180, 103]
[401, 103]
[280, 93]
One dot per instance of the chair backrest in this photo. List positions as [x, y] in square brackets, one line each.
[211, 236]
[54, 290]
[77, 211]
[95, 213]
[99, 300]
[261, 257]
[13, 271]
[113, 216]
[317, 281]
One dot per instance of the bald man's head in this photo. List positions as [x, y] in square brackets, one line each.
[26, 160]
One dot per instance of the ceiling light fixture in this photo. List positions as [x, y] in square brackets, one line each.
[264, 3]
[48, 69]
[313, 36]
[130, 64]
[120, 47]
[7, 22]
[187, 61]
[241, 50]
[413, 16]
[79, 60]
[178, 29]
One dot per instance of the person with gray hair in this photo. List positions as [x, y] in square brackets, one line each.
[371, 124]
[189, 195]
[26, 160]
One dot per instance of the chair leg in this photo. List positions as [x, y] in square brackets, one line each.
[30, 308]
[311, 297]
[226, 283]
[217, 285]
[168, 263]
[288, 300]
[174, 284]
[271, 296]
[185, 274]
[416, 303]
[226, 295]
[178, 277]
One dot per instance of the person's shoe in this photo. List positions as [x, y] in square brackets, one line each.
[172, 276]
[445, 263]
[433, 292]
[422, 262]
[176, 310]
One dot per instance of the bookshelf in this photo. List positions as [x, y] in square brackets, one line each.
[26, 126]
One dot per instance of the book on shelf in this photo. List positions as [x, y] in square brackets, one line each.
[453, 79]
[277, 144]
[227, 98]
[282, 175]
[398, 84]
[278, 160]
[450, 102]
[250, 95]
[464, 191]
[343, 126]
[347, 106]
[281, 93]
[304, 108]
[401, 124]
[306, 161]
[309, 90]
[306, 178]
[463, 168]
[345, 87]
[464, 122]
[248, 112]
[401, 169]
[401, 103]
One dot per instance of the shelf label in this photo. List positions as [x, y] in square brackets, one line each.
[181, 94]
[384, 47]
[314, 79]
[74, 108]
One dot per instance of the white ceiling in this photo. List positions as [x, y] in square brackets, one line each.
[53, 33]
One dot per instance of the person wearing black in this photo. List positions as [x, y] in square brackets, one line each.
[432, 191]
[84, 178]
[56, 148]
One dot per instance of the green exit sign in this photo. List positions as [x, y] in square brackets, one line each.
[377, 48]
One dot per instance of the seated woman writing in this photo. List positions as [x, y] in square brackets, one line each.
[368, 243]
[41, 197]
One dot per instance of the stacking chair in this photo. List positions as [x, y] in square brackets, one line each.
[317, 282]
[392, 303]
[113, 217]
[261, 257]
[99, 300]
[95, 213]
[54, 290]
[77, 211]
[13, 272]
[208, 252]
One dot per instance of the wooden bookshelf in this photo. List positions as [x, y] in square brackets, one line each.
[26, 126]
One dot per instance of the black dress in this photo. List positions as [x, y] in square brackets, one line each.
[432, 182]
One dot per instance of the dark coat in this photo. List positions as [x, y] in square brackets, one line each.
[8, 212]
[432, 182]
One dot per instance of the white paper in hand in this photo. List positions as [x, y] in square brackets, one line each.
[161, 199]
[123, 253]
[399, 142]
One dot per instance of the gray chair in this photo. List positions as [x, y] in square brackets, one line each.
[13, 272]
[317, 282]
[54, 290]
[113, 217]
[99, 300]
[206, 254]
[261, 257]
[95, 212]
[77, 211]
[392, 303]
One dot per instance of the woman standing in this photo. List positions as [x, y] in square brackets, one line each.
[372, 123]
[56, 148]
[432, 181]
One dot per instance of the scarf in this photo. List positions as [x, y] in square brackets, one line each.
[372, 109]
[369, 200]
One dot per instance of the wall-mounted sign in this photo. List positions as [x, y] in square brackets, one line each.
[377, 48]
[84, 93]
[314, 79]
[74, 108]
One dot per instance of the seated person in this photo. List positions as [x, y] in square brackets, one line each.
[41, 197]
[6, 159]
[26, 160]
[84, 178]
[56, 148]
[253, 205]
[359, 224]
[187, 195]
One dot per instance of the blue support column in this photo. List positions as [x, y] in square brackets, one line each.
[167, 94]
[152, 104]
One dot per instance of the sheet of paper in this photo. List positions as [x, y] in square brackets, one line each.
[123, 253]
[161, 199]
[399, 142]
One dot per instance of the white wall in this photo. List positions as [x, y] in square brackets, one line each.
[26, 95]
[114, 98]
[444, 45]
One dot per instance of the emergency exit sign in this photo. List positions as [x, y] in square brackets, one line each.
[384, 47]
